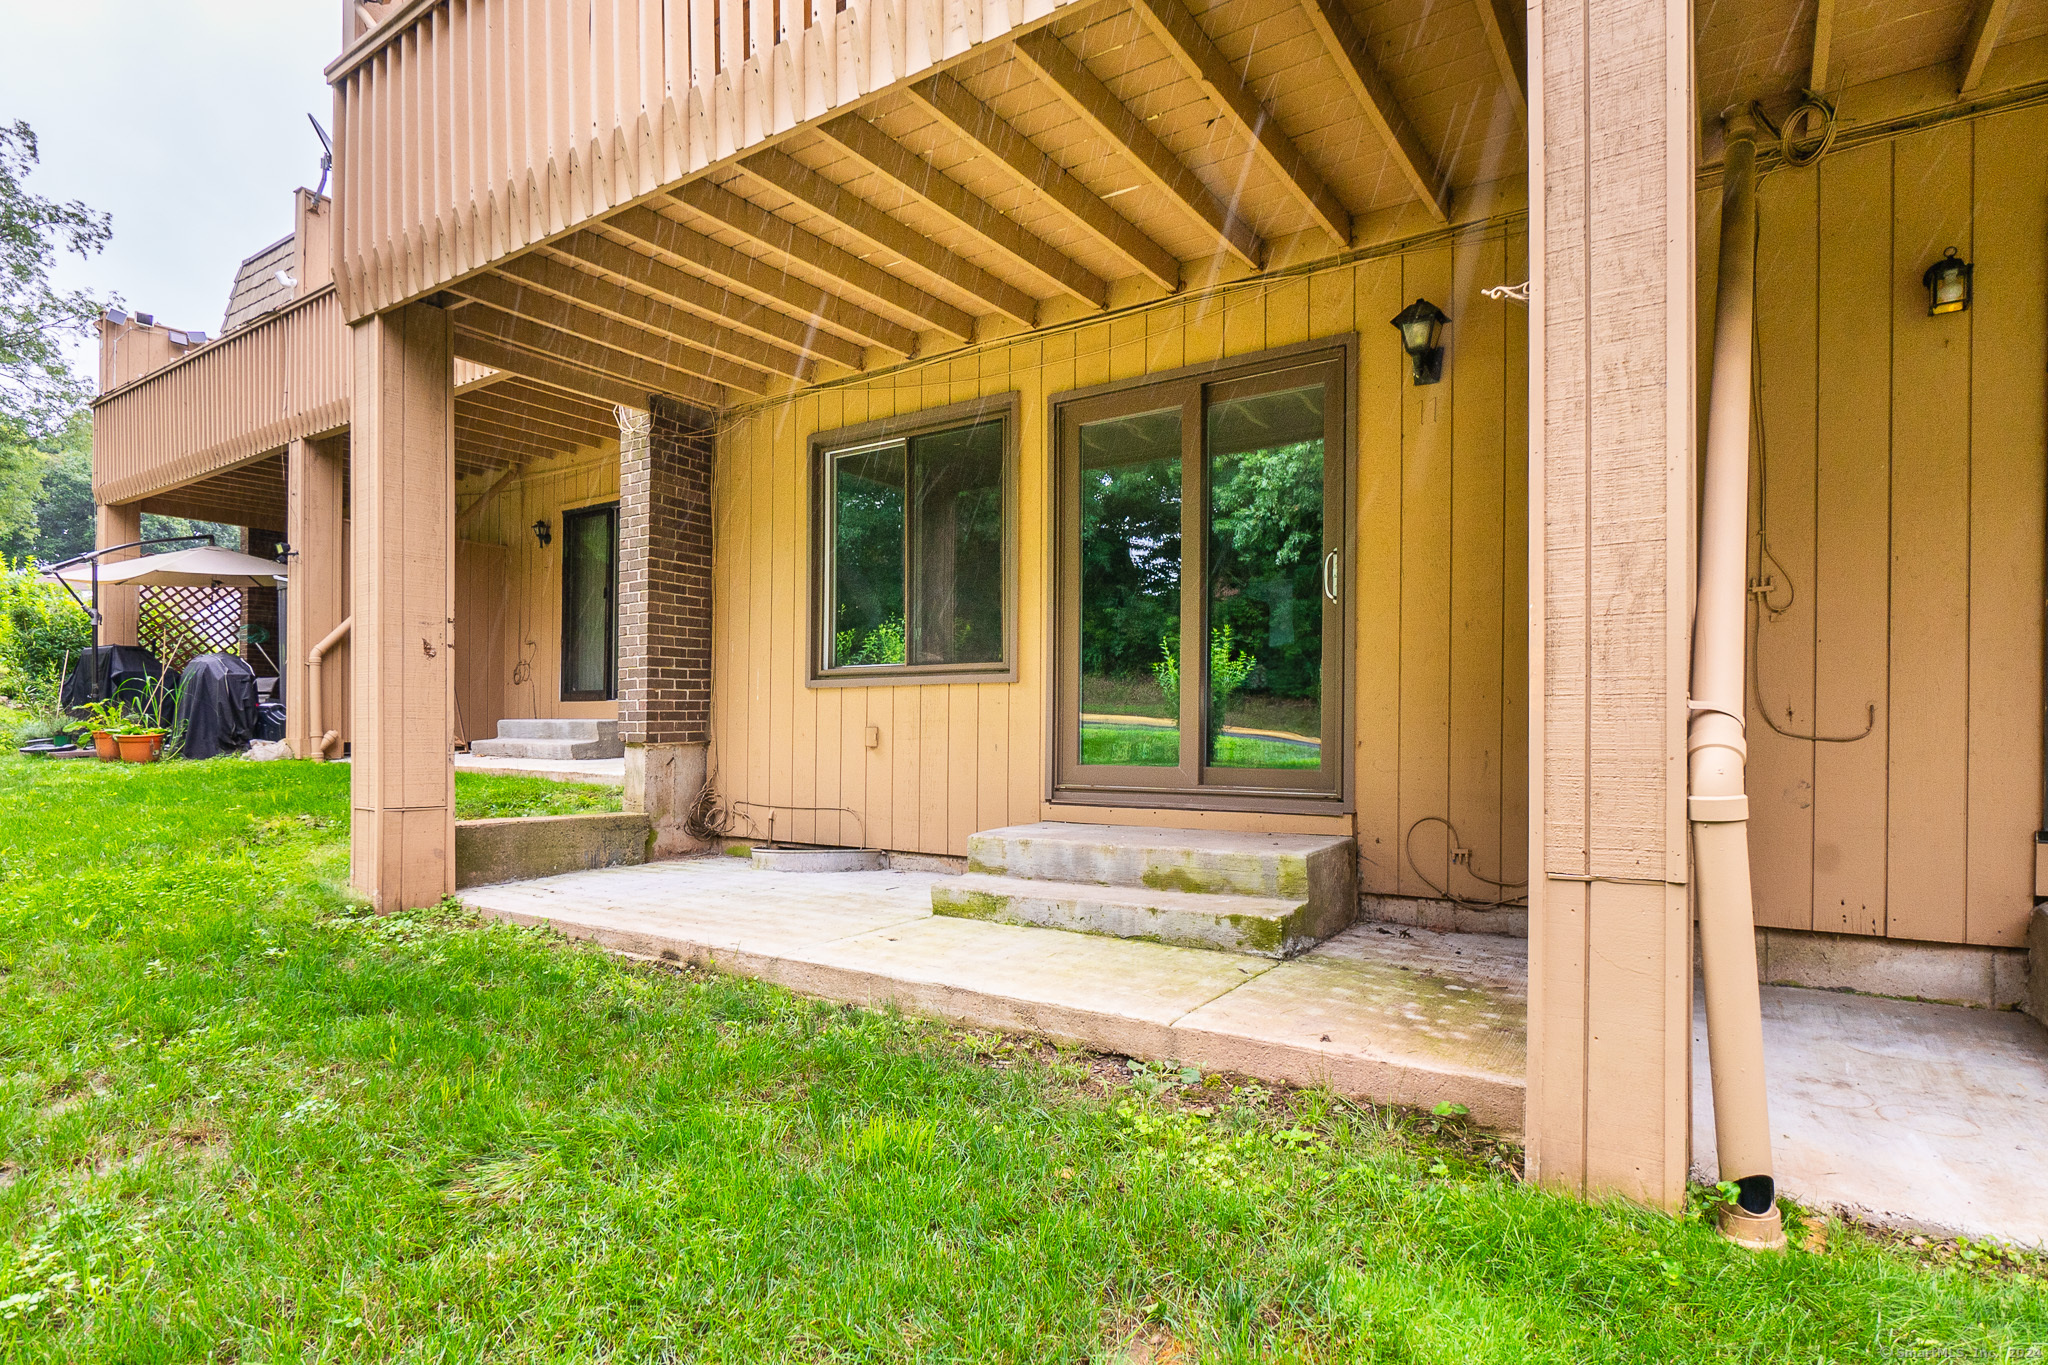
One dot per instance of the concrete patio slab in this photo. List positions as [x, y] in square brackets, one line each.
[1930, 1117]
[1405, 1017]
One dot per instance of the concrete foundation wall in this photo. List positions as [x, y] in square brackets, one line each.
[488, 851]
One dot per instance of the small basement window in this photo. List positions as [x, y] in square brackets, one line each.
[911, 560]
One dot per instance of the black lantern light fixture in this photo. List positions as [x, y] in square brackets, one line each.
[542, 532]
[1420, 324]
[1948, 285]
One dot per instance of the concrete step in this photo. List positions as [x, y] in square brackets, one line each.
[1203, 862]
[550, 749]
[602, 730]
[1270, 926]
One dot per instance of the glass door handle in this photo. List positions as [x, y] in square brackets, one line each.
[1330, 575]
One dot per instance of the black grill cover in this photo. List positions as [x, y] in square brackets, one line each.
[126, 673]
[216, 707]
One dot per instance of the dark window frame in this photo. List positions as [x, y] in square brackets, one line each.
[610, 692]
[820, 671]
[1067, 782]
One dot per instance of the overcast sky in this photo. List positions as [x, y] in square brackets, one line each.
[186, 121]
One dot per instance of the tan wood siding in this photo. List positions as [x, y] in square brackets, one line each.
[1901, 478]
[1439, 483]
[526, 665]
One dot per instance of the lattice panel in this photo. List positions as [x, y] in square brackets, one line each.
[178, 624]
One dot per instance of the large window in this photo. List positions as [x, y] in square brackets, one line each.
[590, 603]
[912, 547]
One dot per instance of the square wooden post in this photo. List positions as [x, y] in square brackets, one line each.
[402, 779]
[1611, 354]
[314, 600]
[117, 525]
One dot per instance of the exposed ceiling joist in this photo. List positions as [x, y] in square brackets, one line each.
[759, 277]
[1341, 38]
[637, 310]
[569, 404]
[783, 172]
[546, 417]
[1986, 24]
[704, 296]
[628, 367]
[1084, 93]
[873, 285]
[518, 420]
[1823, 45]
[482, 443]
[542, 370]
[546, 311]
[1506, 25]
[487, 497]
[973, 119]
[882, 153]
[1197, 55]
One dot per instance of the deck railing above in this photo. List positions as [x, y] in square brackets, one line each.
[468, 130]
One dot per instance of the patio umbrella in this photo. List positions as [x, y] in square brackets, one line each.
[206, 566]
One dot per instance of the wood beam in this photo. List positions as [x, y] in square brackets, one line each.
[543, 370]
[812, 303]
[972, 118]
[641, 373]
[1986, 25]
[1342, 40]
[1823, 44]
[553, 313]
[1198, 56]
[709, 297]
[849, 210]
[495, 449]
[664, 319]
[882, 153]
[1506, 25]
[872, 284]
[1084, 93]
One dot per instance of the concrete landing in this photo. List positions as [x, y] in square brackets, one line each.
[1930, 1117]
[606, 772]
[1394, 1016]
[553, 740]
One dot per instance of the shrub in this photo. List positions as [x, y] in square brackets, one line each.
[40, 627]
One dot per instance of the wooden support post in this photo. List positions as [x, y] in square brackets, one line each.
[402, 780]
[1611, 353]
[317, 597]
[118, 526]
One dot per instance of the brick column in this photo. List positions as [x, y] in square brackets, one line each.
[665, 612]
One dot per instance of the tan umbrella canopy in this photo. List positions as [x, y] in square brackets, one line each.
[206, 566]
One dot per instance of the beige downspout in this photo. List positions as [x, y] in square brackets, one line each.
[323, 740]
[1716, 750]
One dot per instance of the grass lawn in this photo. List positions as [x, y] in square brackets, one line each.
[242, 1120]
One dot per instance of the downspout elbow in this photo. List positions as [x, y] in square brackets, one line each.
[323, 740]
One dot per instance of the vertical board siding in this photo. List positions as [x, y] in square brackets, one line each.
[1900, 481]
[529, 654]
[1437, 573]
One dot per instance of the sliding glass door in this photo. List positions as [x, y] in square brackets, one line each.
[1201, 572]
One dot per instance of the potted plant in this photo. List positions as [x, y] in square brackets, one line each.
[104, 720]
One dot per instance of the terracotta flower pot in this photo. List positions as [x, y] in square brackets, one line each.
[104, 746]
[139, 748]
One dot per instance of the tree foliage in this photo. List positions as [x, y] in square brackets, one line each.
[38, 390]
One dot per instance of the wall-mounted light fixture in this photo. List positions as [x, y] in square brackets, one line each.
[1948, 285]
[542, 532]
[1420, 323]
